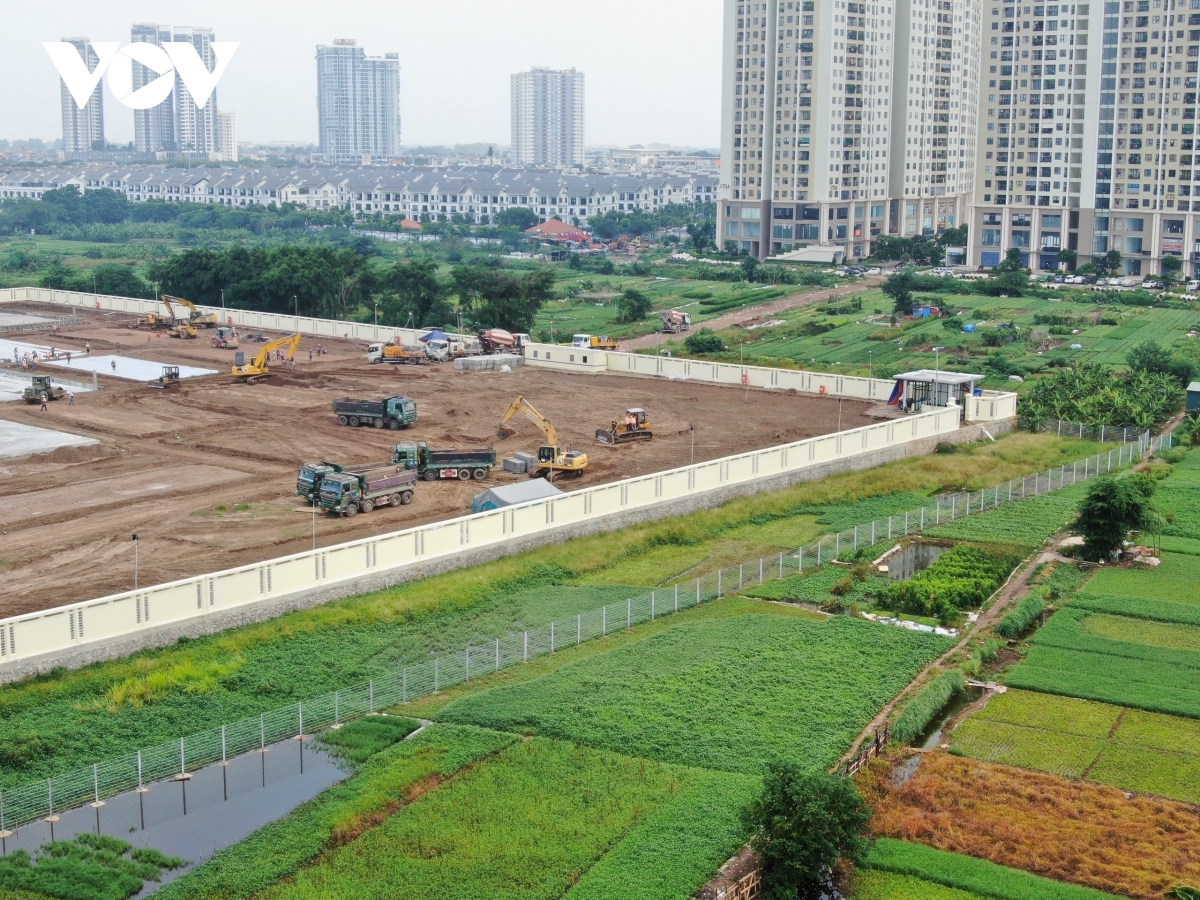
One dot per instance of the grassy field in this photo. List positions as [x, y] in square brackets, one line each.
[891, 859]
[857, 342]
[725, 695]
[1028, 525]
[877, 885]
[1087, 834]
[68, 719]
[526, 824]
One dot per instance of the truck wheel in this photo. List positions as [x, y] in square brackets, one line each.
[351, 511]
[396, 500]
[406, 498]
[354, 421]
[479, 474]
[378, 423]
[393, 425]
[430, 475]
[368, 506]
[464, 474]
[342, 420]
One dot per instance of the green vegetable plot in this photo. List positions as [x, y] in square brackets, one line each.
[725, 695]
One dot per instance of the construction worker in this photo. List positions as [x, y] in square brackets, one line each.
[114, 365]
[70, 398]
[43, 403]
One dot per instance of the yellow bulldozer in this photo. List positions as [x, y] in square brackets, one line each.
[632, 427]
[552, 457]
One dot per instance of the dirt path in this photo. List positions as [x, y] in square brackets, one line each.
[761, 312]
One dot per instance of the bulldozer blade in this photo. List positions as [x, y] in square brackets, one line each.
[605, 436]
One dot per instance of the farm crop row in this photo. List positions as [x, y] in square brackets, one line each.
[1141, 751]
[727, 695]
[984, 878]
[1037, 519]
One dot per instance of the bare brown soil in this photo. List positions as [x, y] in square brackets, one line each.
[205, 473]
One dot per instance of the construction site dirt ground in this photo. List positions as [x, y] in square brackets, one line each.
[205, 472]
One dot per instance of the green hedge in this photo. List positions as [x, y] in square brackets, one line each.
[969, 874]
[928, 703]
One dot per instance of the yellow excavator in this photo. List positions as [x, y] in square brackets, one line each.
[552, 457]
[197, 319]
[158, 320]
[177, 329]
[259, 370]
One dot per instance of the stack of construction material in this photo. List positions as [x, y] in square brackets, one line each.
[521, 463]
[488, 363]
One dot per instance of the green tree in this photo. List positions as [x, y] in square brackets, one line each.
[1155, 359]
[803, 824]
[412, 289]
[1112, 508]
[704, 341]
[1112, 262]
[633, 306]
[1171, 266]
[749, 266]
[1068, 258]
[518, 217]
[498, 299]
[953, 237]
[900, 288]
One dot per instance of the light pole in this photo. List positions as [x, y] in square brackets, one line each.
[135, 561]
[296, 310]
[314, 517]
[871, 358]
[937, 371]
[693, 430]
[840, 414]
[222, 299]
[376, 302]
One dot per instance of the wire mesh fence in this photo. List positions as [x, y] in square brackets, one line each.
[94, 783]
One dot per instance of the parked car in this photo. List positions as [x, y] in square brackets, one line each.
[942, 272]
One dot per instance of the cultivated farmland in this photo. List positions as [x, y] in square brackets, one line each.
[723, 695]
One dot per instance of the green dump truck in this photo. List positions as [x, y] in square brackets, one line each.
[432, 464]
[394, 412]
[352, 491]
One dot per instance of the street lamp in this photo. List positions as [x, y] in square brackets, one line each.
[376, 302]
[296, 310]
[135, 561]
[871, 361]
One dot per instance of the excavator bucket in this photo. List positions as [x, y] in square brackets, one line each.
[503, 432]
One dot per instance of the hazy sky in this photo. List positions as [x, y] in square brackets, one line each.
[652, 66]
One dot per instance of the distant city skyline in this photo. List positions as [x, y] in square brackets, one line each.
[457, 62]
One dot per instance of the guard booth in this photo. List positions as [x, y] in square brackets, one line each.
[1193, 397]
[914, 391]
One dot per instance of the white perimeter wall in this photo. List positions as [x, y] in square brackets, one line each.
[192, 600]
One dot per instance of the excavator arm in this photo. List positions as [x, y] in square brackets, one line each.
[170, 309]
[292, 343]
[188, 303]
[523, 405]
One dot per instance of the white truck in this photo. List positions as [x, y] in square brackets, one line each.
[444, 350]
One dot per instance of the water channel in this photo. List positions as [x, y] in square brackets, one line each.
[195, 816]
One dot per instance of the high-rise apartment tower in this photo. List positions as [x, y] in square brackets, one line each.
[358, 103]
[843, 121]
[83, 129]
[153, 129]
[547, 117]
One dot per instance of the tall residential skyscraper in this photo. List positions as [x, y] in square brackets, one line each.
[196, 129]
[153, 129]
[83, 129]
[547, 117]
[358, 103]
[1088, 128]
[227, 137]
[844, 121]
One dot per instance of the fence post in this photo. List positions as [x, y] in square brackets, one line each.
[855, 538]
[922, 518]
[371, 696]
[182, 758]
[551, 637]
[525, 652]
[96, 778]
[872, 532]
[139, 756]
[223, 729]
[760, 570]
[677, 596]
[837, 545]
[937, 514]
[262, 737]
[404, 678]
[629, 613]
[301, 708]
[819, 543]
[578, 630]
[435, 675]
[780, 565]
[719, 571]
[604, 615]
[467, 655]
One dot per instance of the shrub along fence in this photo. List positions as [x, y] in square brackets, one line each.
[218, 744]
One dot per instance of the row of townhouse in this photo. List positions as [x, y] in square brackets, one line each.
[476, 192]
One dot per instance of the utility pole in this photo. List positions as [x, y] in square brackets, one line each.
[135, 561]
